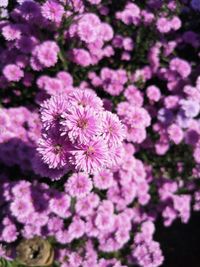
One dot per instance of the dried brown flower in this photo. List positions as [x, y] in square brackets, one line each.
[35, 252]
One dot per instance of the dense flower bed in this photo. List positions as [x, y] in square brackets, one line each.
[99, 126]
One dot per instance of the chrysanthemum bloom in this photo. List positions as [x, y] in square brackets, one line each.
[11, 32]
[51, 111]
[78, 185]
[182, 67]
[81, 57]
[153, 93]
[13, 73]
[103, 179]
[53, 11]
[163, 25]
[92, 156]
[81, 123]
[86, 98]
[88, 138]
[54, 151]
[47, 53]
[89, 27]
[60, 205]
[191, 108]
[113, 130]
[21, 208]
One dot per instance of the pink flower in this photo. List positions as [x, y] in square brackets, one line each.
[78, 185]
[54, 151]
[153, 93]
[81, 123]
[113, 130]
[163, 25]
[11, 32]
[104, 221]
[53, 86]
[106, 32]
[180, 66]
[89, 28]
[60, 205]
[175, 23]
[175, 133]
[52, 109]
[92, 156]
[86, 98]
[103, 179]
[47, 53]
[76, 228]
[21, 208]
[81, 57]
[53, 11]
[84, 206]
[13, 73]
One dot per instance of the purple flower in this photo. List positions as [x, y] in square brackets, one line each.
[54, 151]
[47, 53]
[60, 205]
[81, 123]
[53, 11]
[13, 73]
[191, 108]
[113, 130]
[51, 111]
[90, 157]
[78, 185]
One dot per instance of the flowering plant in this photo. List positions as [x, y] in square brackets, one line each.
[99, 126]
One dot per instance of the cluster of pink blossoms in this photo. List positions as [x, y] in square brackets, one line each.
[79, 134]
[99, 126]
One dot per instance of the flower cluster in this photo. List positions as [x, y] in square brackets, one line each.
[78, 133]
[99, 126]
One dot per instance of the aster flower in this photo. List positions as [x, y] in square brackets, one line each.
[76, 228]
[86, 98]
[51, 111]
[53, 11]
[21, 208]
[113, 130]
[21, 189]
[11, 32]
[90, 157]
[89, 28]
[78, 185]
[81, 57]
[103, 180]
[60, 205]
[13, 73]
[81, 123]
[47, 53]
[54, 151]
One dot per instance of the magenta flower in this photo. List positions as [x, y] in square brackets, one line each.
[89, 28]
[103, 179]
[81, 123]
[51, 111]
[113, 130]
[53, 11]
[78, 185]
[86, 98]
[47, 53]
[60, 205]
[54, 151]
[13, 73]
[91, 157]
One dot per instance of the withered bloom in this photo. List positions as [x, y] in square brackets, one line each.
[35, 252]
